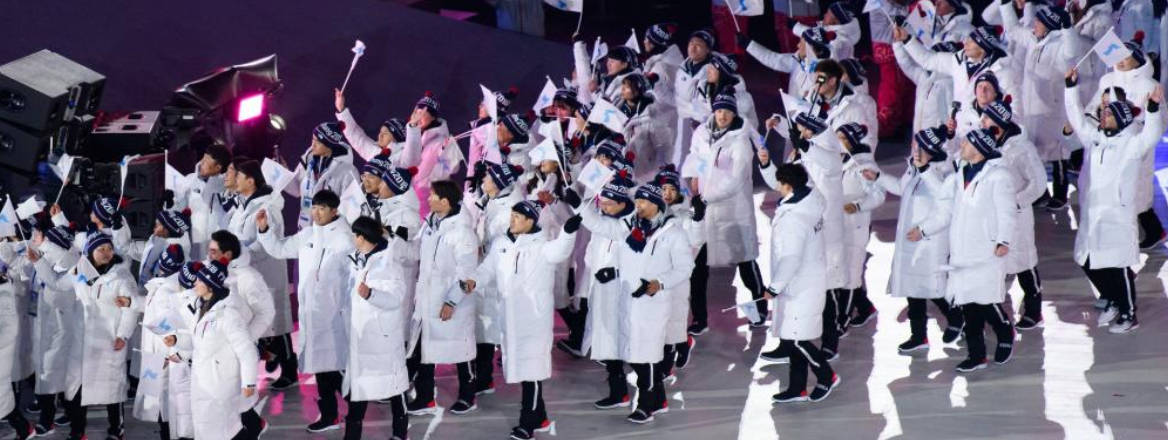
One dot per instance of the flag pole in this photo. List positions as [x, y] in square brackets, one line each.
[579, 21]
[733, 18]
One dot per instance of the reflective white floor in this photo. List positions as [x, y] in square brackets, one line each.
[1067, 380]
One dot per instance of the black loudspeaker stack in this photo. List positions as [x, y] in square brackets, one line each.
[49, 106]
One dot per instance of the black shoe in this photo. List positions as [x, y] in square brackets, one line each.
[1028, 323]
[322, 425]
[912, 345]
[1151, 242]
[34, 407]
[640, 417]
[1124, 324]
[119, 435]
[683, 352]
[612, 402]
[778, 355]
[575, 352]
[271, 365]
[43, 431]
[970, 365]
[1057, 205]
[518, 433]
[862, 317]
[483, 388]
[761, 323]
[952, 334]
[790, 395]
[282, 384]
[822, 390]
[62, 420]
[830, 355]
[698, 329]
[417, 408]
[1003, 353]
[462, 407]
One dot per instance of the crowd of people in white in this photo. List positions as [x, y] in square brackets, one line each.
[607, 207]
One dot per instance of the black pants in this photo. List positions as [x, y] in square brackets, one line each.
[532, 411]
[1059, 179]
[1150, 224]
[805, 354]
[618, 385]
[831, 332]
[697, 288]
[251, 425]
[918, 317]
[281, 347]
[48, 404]
[424, 377]
[575, 320]
[163, 430]
[843, 308]
[356, 416]
[328, 385]
[976, 317]
[650, 389]
[752, 279]
[484, 364]
[1032, 293]
[860, 301]
[667, 361]
[1076, 162]
[1115, 284]
[77, 420]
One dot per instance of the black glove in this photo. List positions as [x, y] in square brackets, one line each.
[605, 275]
[641, 291]
[743, 40]
[1153, 106]
[573, 224]
[1071, 81]
[699, 208]
[402, 232]
[571, 198]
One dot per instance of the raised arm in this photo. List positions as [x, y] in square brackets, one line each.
[365, 146]
[782, 62]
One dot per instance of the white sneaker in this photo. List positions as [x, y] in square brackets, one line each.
[1107, 315]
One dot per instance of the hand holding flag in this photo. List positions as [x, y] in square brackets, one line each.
[276, 175]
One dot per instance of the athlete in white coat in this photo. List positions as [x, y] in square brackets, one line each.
[491, 213]
[252, 196]
[719, 168]
[861, 196]
[102, 283]
[799, 65]
[664, 59]
[609, 325]
[522, 265]
[934, 91]
[443, 323]
[1021, 158]
[819, 154]
[799, 282]
[428, 147]
[1132, 81]
[649, 130]
[922, 242]
[203, 193]
[163, 294]
[653, 261]
[1105, 245]
[981, 234]
[843, 26]
[691, 77]
[223, 359]
[59, 314]
[320, 252]
[678, 342]
[983, 52]
[328, 164]
[9, 337]
[379, 303]
[391, 134]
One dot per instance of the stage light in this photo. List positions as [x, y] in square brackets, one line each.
[250, 107]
